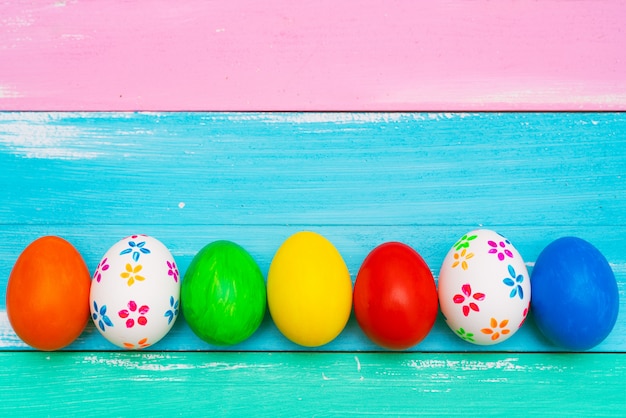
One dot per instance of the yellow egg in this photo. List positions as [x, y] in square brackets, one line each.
[309, 291]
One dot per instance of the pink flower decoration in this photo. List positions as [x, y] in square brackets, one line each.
[103, 266]
[172, 270]
[500, 249]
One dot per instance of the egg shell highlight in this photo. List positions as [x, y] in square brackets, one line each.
[135, 291]
[484, 288]
[575, 296]
[309, 291]
[47, 296]
[223, 294]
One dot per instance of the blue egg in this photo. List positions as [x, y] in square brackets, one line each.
[574, 294]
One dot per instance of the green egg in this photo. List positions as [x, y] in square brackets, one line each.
[223, 296]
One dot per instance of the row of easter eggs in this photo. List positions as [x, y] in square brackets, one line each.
[484, 292]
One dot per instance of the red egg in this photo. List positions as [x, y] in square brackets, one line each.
[395, 297]
[47, 296]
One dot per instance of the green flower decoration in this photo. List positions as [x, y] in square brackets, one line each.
[464, 242]
[467, 336]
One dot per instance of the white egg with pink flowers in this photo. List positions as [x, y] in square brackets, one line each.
[135, 292]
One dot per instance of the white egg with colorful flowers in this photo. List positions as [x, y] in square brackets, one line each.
[484, 288]
[135, 292]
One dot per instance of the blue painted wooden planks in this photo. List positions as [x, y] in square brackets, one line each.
[358, 178]
[313, 169]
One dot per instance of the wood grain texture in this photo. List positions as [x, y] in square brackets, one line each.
[323, 55]
[313, 169]
[308, 384]
[358, 178]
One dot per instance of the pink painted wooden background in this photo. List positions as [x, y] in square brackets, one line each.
[313, 55]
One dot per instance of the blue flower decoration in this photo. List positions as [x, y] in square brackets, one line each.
[172, 313]
[515, 281]
[104, 319]
[136, 249]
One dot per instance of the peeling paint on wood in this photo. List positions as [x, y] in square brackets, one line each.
[323, 55]
[329, 384]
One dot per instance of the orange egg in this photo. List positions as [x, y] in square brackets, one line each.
[47, 295]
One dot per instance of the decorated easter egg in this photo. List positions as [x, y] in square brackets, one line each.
[223, 295]
[575, 296]
[484, 288]
[309, 291]
[135, 291]
[47, 296]
[395, 298]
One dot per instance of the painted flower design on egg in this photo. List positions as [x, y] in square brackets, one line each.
[172, 313]
[131, 274]
[461, 259]
[464, 242]
[102, 267]
[496, 329]
[131, 311]
[172, 270]
[100, 317]
[515, 281]
[464, 299]
[525, 315]
[136, 249]
[143, 343]
[467, 336]
[500, 248]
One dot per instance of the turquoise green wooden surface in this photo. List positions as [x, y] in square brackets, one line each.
[311, 384]
[358, 178]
